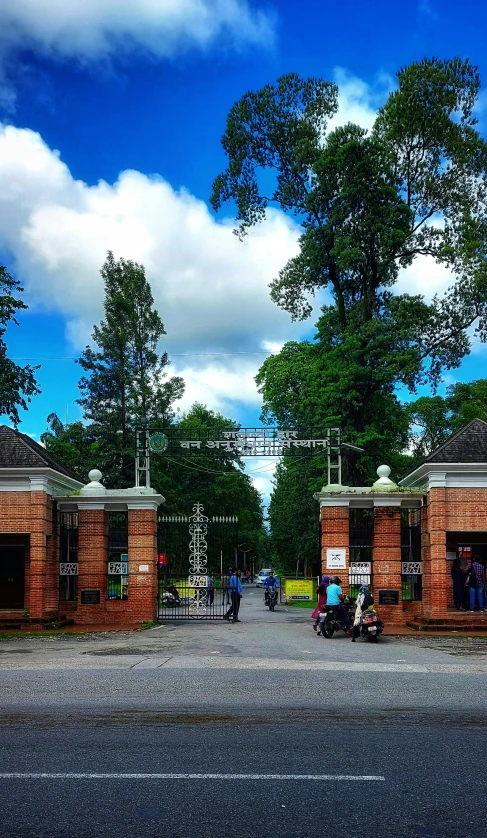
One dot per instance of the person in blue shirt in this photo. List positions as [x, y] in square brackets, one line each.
[270, 583]
[334, 596]
[235, 588]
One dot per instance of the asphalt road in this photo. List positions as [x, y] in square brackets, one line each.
[279, 732]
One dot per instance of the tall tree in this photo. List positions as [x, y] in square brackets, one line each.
[368, 204]
[17, 383]
[126, 383]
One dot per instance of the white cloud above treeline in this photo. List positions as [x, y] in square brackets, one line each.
[211, 290]
[99, 29]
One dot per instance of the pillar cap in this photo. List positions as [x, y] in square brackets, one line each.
[94, 487]
[384, 483]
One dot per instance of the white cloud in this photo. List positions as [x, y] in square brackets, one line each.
[221, 385]
[211, 290]
[94, 30]
[424, 276]
[358, 101]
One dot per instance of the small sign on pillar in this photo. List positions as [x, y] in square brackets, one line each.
[336, 558]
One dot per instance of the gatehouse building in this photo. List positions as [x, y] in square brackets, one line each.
[79, 553]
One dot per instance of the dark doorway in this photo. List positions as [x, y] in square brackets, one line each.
[12, 577]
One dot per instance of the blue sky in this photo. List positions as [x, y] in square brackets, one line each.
[95, 89]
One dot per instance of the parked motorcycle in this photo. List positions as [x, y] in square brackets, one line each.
[370, 626]
[330, 619]
[170, 596]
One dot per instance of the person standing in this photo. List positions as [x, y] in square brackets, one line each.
[225, 588]
[210, 590]
[476, 583]
[235, 587]
[458, 577]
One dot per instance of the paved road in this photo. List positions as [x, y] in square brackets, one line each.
[264, 697]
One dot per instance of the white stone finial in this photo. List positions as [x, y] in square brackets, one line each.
[94, 487]
[383, 483]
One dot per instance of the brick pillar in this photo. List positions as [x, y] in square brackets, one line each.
[386, 566]
[40, 604]
[92, 557]
[435, 569]
[335, 534]
[142, 601]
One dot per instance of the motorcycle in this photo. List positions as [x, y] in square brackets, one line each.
[331, 621]
[370, 626]
[170, 596]
[271, 598]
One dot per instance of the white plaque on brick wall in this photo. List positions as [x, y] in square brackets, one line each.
[336, 558]
[412, 568]
[143, 568]
[118, 568]
[68, 569]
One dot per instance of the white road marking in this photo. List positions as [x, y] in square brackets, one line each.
[100, 776]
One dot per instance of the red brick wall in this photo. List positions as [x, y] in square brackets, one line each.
[335, 533]
[141, 605]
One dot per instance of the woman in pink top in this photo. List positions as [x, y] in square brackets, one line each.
[321, 591]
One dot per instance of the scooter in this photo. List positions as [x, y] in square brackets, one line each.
[370, 626]
[331, 621]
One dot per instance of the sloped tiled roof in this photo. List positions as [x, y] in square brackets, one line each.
[18, 450]
[469, 445]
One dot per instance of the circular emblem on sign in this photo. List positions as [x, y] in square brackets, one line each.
[158, 443]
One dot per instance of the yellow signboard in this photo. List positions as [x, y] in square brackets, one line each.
[299, 589]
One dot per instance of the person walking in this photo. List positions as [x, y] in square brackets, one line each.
[235, 587]
[458, 577]
[476, 583]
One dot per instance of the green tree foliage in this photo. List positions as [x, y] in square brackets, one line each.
[368, 204]
[126, 381]
[75, 444]
[17, 384]
[434, 418]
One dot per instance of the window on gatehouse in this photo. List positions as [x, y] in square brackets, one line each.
[361, 535]
[411, 564]
[117, 565]
[68, 556]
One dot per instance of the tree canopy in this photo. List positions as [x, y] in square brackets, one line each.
[369, 204]
[17, 383]
[126, 382]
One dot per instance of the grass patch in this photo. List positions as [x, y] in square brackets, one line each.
[147, 625]
[300, 603]
[7, 635]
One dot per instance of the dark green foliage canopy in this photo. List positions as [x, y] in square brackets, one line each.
[17, 384]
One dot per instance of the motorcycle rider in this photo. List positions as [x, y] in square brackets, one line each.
[334, 597]
[270, 583]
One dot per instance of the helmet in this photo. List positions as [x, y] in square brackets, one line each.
[334, 580]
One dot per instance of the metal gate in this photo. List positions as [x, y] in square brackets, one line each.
[196, 554]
